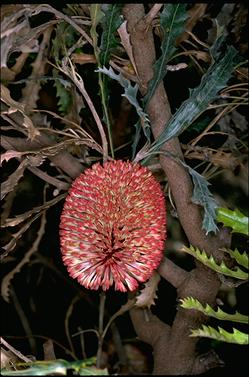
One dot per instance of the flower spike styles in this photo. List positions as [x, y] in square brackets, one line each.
[113, 226]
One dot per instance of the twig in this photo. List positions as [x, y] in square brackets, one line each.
[77, 80]
[101, 326]
[66, 350]
[226, 110]
[122, 310]
[121, 352]
[152, 14]
[17, 353]
[48, 8]
[68, 314]
[47, 178]
[7, 278]
[82, 343]
[24, 320]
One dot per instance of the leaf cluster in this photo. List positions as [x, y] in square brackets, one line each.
[237, 221]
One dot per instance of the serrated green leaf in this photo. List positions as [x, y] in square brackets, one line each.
[222, 335]
[130, 92]
[219, 40]
[202, 196]
[172, 21]
[192, 303]
[65, 37]
[241, 259]
[136, 139]
[110, 23]
[212, 82]
[65, 98]
[233, 219]
[211, 263]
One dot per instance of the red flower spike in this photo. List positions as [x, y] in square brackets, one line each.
[113, 226]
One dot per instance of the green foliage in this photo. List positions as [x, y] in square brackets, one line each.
[130, 92]
[63, 94]
[241, 259]
[199, 125]
[110, 23]
[192, 303]
[65, 37]
[59, 366]
[96, 16]
[233, 219]
[211, 263]
[236, 336]
[172, 21]
[219, 40]
[212, 82]
[202, 196]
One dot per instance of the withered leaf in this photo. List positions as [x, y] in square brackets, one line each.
[148, 294]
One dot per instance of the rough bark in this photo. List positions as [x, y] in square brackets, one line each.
[174, 351]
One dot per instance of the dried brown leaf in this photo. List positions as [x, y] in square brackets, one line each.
[9, 155]
[125, 40]
[13, 179]
[195, 14]
[16, 106]
[7, 278]
[30, 93]
[24, 216]
[148, 294]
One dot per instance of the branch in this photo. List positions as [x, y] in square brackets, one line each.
[201, 283]
[174, 274]
[152, 14]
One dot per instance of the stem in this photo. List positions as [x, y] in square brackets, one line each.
[122, 310]
[103, 100]
[101, 326]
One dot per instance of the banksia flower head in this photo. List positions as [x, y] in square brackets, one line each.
[112, 227]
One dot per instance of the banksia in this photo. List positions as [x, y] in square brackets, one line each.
[113, 226]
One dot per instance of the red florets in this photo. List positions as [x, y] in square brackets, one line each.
[112, 226]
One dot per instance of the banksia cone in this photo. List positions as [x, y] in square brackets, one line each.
[112, 227]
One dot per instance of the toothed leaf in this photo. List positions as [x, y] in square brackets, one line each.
[202, 196]
[64, 96]
[212, 82]
[130, 92]
[219, 40]
[222, 335]
[192, 303]
[136, 139]
[241, 259]
[211, 263]
[110, 23]
[172, 21]
[233, 219]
